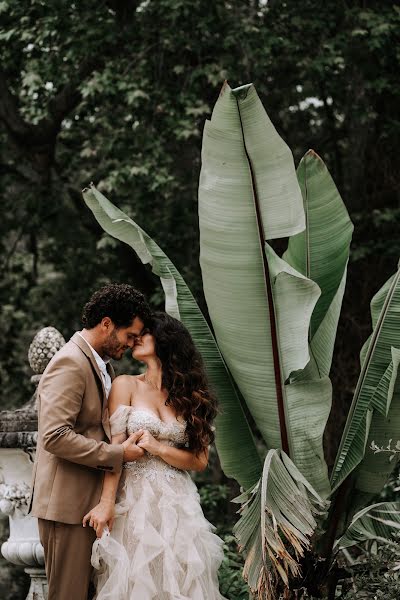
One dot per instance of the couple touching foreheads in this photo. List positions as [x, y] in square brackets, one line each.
[111, 488]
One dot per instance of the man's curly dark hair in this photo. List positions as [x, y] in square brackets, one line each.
[118, 301]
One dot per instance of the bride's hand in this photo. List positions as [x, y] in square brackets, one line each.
[100, 516]
[149, 443]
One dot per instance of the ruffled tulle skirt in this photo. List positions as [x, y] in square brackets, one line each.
[161, 546]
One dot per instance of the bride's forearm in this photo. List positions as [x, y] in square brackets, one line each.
[183, 459]
[110, 486]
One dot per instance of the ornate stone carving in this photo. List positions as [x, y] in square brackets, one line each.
[13, 497]
[27, 553]
[18, 437]
[43, 347]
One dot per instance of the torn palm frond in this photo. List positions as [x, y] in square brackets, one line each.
[278, 518]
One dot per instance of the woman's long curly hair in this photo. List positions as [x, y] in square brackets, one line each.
[184, 377]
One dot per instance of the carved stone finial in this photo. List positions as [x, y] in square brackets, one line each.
[43, 347]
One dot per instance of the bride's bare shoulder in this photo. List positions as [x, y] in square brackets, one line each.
[124, 381]
[137, 378]
[122, 389]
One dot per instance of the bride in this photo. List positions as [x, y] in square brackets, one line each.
[158, 544]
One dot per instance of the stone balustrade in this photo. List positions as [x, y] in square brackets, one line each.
[18, 437]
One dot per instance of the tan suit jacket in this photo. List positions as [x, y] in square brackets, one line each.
[73, 449]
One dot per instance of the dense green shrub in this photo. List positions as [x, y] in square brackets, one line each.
[376, 576]
[376, 572]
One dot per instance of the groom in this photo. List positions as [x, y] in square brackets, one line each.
[73, 448]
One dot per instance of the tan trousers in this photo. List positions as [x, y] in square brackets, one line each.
[67, 551]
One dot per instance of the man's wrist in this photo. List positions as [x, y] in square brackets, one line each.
[120, 448]
[126, 450]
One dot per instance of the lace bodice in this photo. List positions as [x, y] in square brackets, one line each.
[128, 419]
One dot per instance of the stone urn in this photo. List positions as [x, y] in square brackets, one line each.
[18, 436]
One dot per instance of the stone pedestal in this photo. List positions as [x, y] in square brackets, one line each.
[23, 547]
[38, 587]
[18, 437]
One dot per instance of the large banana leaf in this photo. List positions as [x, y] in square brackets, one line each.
[376, 385]
[260, 306]
[234, 440]
[280, 510]
[244, 120]
[380, 522]
[321, 253]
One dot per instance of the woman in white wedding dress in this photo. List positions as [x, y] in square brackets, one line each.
[158, 544]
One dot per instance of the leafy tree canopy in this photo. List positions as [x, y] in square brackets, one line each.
[116, 92]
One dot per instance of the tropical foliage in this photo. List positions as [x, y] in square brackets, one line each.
[375, 574]
[275, 320]
[117, 92]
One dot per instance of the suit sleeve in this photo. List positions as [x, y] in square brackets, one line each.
[61, 394]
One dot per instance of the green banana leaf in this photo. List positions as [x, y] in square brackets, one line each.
[287, 507]
[380, 522]
[321, 253]
[260, 307]
[376, 389]
[244, 120]
[234, 440]
[375, 468]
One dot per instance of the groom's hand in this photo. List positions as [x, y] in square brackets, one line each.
[100, 516]
[131, 450]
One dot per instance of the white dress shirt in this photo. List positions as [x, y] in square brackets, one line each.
[102, 366]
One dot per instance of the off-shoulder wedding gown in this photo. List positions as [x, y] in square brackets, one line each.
[161, 546]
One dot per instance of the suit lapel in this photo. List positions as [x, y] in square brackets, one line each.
[81, 342]
[106, 415]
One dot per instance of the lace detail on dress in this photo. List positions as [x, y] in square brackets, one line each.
[128, 419]
[141, 418]
[172, 434]
[151, 467]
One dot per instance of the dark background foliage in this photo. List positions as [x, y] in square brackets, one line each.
[116, 92]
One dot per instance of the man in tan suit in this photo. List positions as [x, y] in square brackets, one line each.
[73, 449]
